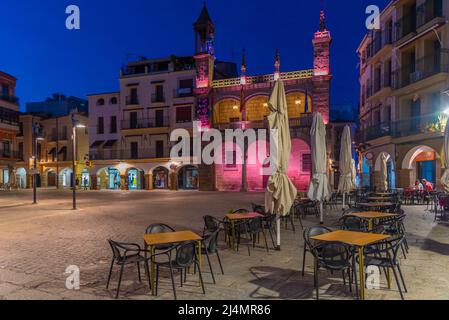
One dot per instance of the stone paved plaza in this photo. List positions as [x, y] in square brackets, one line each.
[37, 243]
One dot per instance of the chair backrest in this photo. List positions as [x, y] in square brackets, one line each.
[211, 242]
[158, 228]
[186, 254]
[255, 225]
[332, 255]
[312, 232]
[352, 223]
[259, 209]
[116, 250]
[210, 223]
[241, 211]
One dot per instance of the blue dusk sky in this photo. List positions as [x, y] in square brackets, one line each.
[46, 57]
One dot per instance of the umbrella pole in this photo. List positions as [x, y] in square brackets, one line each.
[321, 213]
[278, 233]
[344, 198]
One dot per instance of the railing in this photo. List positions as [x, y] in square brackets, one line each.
[304, 121]
[145, 123]
[429, 10]
[423, 68]
[10, 99]
[9, 154]
[8, 116]
[294, 75]
[433, 123]
[126, 154]
[157, 98]
[183, 93]
[130, 100]
[404, 26]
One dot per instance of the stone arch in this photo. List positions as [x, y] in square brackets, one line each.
[296, 103]
[65, 177]
[391, 169]
[421, 162]
[21, 178]
[108, 178]
[377, 163]
[257, 108]
[161, 176]
[227, 109]
[135, 178]
[413, 153]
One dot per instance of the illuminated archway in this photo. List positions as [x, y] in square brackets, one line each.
[135, 179]
[188, 178]
[257, 108]
[423, 162]
[296, 103]
[65, 178]
[21, 178]
[160, 178]
[227, 110]
[108, 178]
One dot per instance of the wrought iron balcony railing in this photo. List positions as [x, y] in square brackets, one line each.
[155, 98]
[132, 100]
[10, 99]
[145, 123]
[428, 11]
[127, 154]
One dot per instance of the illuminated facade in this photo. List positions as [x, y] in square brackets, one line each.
[404, 72]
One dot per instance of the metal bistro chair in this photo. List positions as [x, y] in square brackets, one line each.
[179, 258]
[126, 254]
[210, 247]
[212, 224]
[351, 223]
[255, 228]
[333, 256]
[386, 256]
[160, 228]
[310, 243]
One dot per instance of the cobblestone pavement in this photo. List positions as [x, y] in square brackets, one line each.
[38, 243]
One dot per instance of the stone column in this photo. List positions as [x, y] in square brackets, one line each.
[93, 182]
[29, 181]
[173, 181]
[123, 182]
[403, 178]
[149, 181]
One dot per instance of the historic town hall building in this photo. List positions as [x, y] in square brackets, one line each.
[129, 130]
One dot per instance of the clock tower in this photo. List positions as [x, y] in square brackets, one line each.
[321, 69]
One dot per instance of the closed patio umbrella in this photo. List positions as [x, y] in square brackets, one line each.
[281, 192]
[383, 172]
[319, 189]
[354, 174]
[445, 177]
[345, 184]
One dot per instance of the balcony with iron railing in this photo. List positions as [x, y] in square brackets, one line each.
[56, 137]
[127, 154]
[8, 116]
[132, 100]
[423, 68]
[11, 99]
[10, 154]
[404, 26]
[304, 121]
[157, 98]
[429, 11]
[145, 123]
[183, 93]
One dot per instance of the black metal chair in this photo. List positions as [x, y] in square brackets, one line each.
[210, 247]
[127, 254]
[254, 229]
[351, 223]
[310, 243]
[184, 257]
[386, 256]
[160, 228]
[258, 209]
[269, 223]
[333, 256]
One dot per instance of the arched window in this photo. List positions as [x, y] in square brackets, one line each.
[113, 100]
[100, 102]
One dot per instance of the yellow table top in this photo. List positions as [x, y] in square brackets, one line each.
[358, 239]
[243, 216]
[170, 237]
[372, 215]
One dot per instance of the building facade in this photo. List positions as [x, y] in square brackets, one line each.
[129, 130]
[9, 128]
[403, 76]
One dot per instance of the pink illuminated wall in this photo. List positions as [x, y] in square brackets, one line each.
[230, 178]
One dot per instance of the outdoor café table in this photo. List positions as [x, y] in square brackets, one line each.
[233, 217]
[379, 199]
[354, 239]
[154, 239]
[375, 205]
[383, 194]
[371, 216]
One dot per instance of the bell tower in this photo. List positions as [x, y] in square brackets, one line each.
[204, 33]
[321, 69]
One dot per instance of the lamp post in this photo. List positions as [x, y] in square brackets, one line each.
[76, 124]
[36, 138]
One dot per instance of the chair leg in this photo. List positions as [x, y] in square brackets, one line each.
[397, 282]
[344, 278]
[138, 272]
[402, 278]
[173, 282]
[182, 284]
[110, 274]
[354, 273]
[317, 284]
[201, 278]
[219, 262]
[304, 260]
[265, 240]
[157, 278]
[271, 236]
[210, 267]
[293, 225]
[147, 272]
[119, 281]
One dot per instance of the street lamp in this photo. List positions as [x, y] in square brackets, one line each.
[76, 124]
[36, 137]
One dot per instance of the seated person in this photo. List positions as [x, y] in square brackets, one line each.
[427, 185]
[418, 186]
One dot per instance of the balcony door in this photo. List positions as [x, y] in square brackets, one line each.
[134, 150]
[133, 120]
[159, 118]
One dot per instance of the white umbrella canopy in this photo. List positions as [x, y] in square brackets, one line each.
[346, 184]
[281, 192]
[354, 174]
[319, 189]
[383, 172]
[445, 177]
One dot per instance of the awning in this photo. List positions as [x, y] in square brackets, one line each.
[109, 143]
[63, 149]
[52, 151]
[96, 144]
